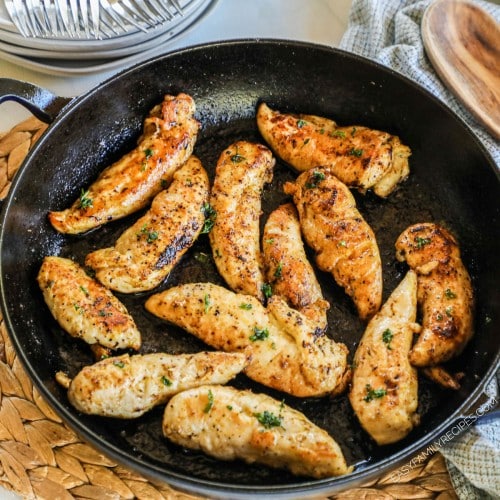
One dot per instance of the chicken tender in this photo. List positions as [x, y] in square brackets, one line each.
[384, 390]
[129, 184]
[229, 424]
[288, 269]
[360, 157]
[445, 294]
[287, 351]
[344, 243]
[145, 253]
[241, 173]
[85, 308]
[129, 386]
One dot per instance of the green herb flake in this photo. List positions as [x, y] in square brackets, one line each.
[270, 241]
[387, 337]
[449, 311]
[421, 242]
[245, 306]
[268, 419]
[151, 236]
[259, 334]
[207, 303]
[279, 270]
[306, 141]
[210, 403]
[353, 131]
[373, 393]
[84, 290]
[267, 290]
[229, 407]
[119, 364]
[166, 381]
[315, 179]
[301, 123]
[85, 200]
[148, 152]
[449, 294]
[343, 243]
[210, 216]
[237, 158]
[356, 152]
[338, 133]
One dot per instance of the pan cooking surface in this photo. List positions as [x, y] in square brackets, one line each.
[443, 187]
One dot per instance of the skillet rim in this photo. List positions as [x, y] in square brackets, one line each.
[201, 486]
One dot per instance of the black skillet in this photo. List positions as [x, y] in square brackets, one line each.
[453, 181]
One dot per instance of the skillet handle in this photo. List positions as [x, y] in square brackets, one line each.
[41, 102]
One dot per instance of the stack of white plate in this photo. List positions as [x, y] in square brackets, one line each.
[84, 56]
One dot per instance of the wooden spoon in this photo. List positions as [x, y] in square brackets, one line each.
[463, 44]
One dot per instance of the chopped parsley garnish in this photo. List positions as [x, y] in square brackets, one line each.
[387, 336]
[421, 242]
[210, 216]
[166, 381]
[353, 131]
[259, 334]
[119, 364]
[342, 243]
[279, 270]
[449, 311]
[245, 306]
[237, 158]
[373, 393]
[229, 407]
[84, 290]
[148, 152]
[301, 123]
[210, 403]
[207, 302]
[85, 200]
[315, 179]
[356, 152]
[267, 290]
[338, 133]
[269, 419]
[450, 294]
[150, 235]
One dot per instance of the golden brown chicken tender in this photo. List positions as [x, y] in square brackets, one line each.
[168, 138]
[445, 294]
[344, 243]
[360, 157]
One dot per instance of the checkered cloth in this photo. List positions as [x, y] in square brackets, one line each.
[388, 31]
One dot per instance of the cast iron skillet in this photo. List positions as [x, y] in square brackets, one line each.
[453, 182]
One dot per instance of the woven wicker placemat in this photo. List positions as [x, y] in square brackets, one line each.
[42, 458]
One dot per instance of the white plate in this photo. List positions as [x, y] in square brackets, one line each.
[161, 36]
[74, 67]
[9, 34]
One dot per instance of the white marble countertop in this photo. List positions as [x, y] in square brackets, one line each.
[318, 21]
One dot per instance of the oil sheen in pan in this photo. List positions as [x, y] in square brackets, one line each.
[409, 204]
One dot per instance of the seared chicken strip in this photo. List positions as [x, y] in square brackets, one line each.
[129, 386]
[384, 390]
[288, 269]
[85, 308]
[360, 157]
[147, 251]
[287, 351]
[445, 293]
[230, 424]
[241, 173]
[129, 184]
[344, 243]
